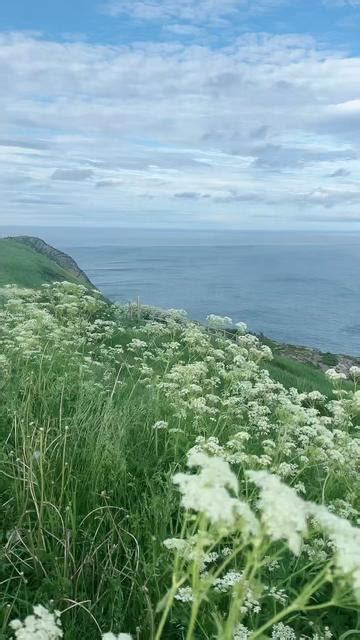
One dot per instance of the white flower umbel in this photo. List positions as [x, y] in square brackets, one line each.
[354, 372]
[284, 514]
[208, 492]
[41, 625]
[283, 632]
[184, 594]
[120, 636]
[219, 322]
[228, 581]
[334, 375]
[241, 632]
[346, 541]
[160, 425]
[241, 327]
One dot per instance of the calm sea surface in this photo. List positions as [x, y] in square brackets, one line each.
[296, 287]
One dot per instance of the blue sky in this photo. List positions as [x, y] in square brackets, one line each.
[231, 114]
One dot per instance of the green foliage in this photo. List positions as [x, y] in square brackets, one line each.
[330, 359]
[98, 412]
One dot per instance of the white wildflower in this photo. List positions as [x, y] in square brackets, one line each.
[283, 512]
[315, 396]
[354, 372]
[278, 594]
[137, 344]
[176, 544]
[241, 327]
[270, 564]
[206, 491]
[120, 636]
[219, 322]
[346, 541]
[334, 375]
[281, 631]
[211, 557]
[160, 425]
[184, 594]
[241, 632]
[251, 604]
[41, 625]
[229, 580]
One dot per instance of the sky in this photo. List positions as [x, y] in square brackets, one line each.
[231, 114]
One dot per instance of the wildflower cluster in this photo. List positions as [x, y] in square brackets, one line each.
[135, 444]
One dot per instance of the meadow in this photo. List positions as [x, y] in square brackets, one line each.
[163, 480]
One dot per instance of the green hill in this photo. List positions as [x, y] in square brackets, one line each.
[25, 266]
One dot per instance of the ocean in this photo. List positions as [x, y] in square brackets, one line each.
[296, 287]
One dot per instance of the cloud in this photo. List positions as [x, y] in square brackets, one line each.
[329, 198]
[339, 173]
[260, 132]
[73, 175]
[37, 145]
[265, 122]
[342, 3]
[233, 197]
[185, 30]
[39, 200]
[108, 184]
[187, 10]
[351, 109]
[279, 157]
[191, 18]
[190, 195]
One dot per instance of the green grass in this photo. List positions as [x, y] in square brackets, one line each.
[303, 377]
[25, 267]
[86, 490]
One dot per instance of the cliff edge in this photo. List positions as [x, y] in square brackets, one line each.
[59, 257]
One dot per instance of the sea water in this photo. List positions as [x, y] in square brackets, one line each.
[295, 287]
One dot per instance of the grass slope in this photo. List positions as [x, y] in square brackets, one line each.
[98, 411]
[25, 267]
[303, 377]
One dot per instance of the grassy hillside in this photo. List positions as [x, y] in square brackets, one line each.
[157, 481]
[22, 265]
[303, 377]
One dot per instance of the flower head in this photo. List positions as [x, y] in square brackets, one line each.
[120, 636]
[355, 371]
[160, 425]
[334, 375]
[41, 625]
[210, 491]
[284, 514]
[346, 541]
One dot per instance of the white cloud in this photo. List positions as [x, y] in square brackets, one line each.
[182, 128]
[203, 12]
[73, 175]
[341, 3]
[349, 108]
[198, 11]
